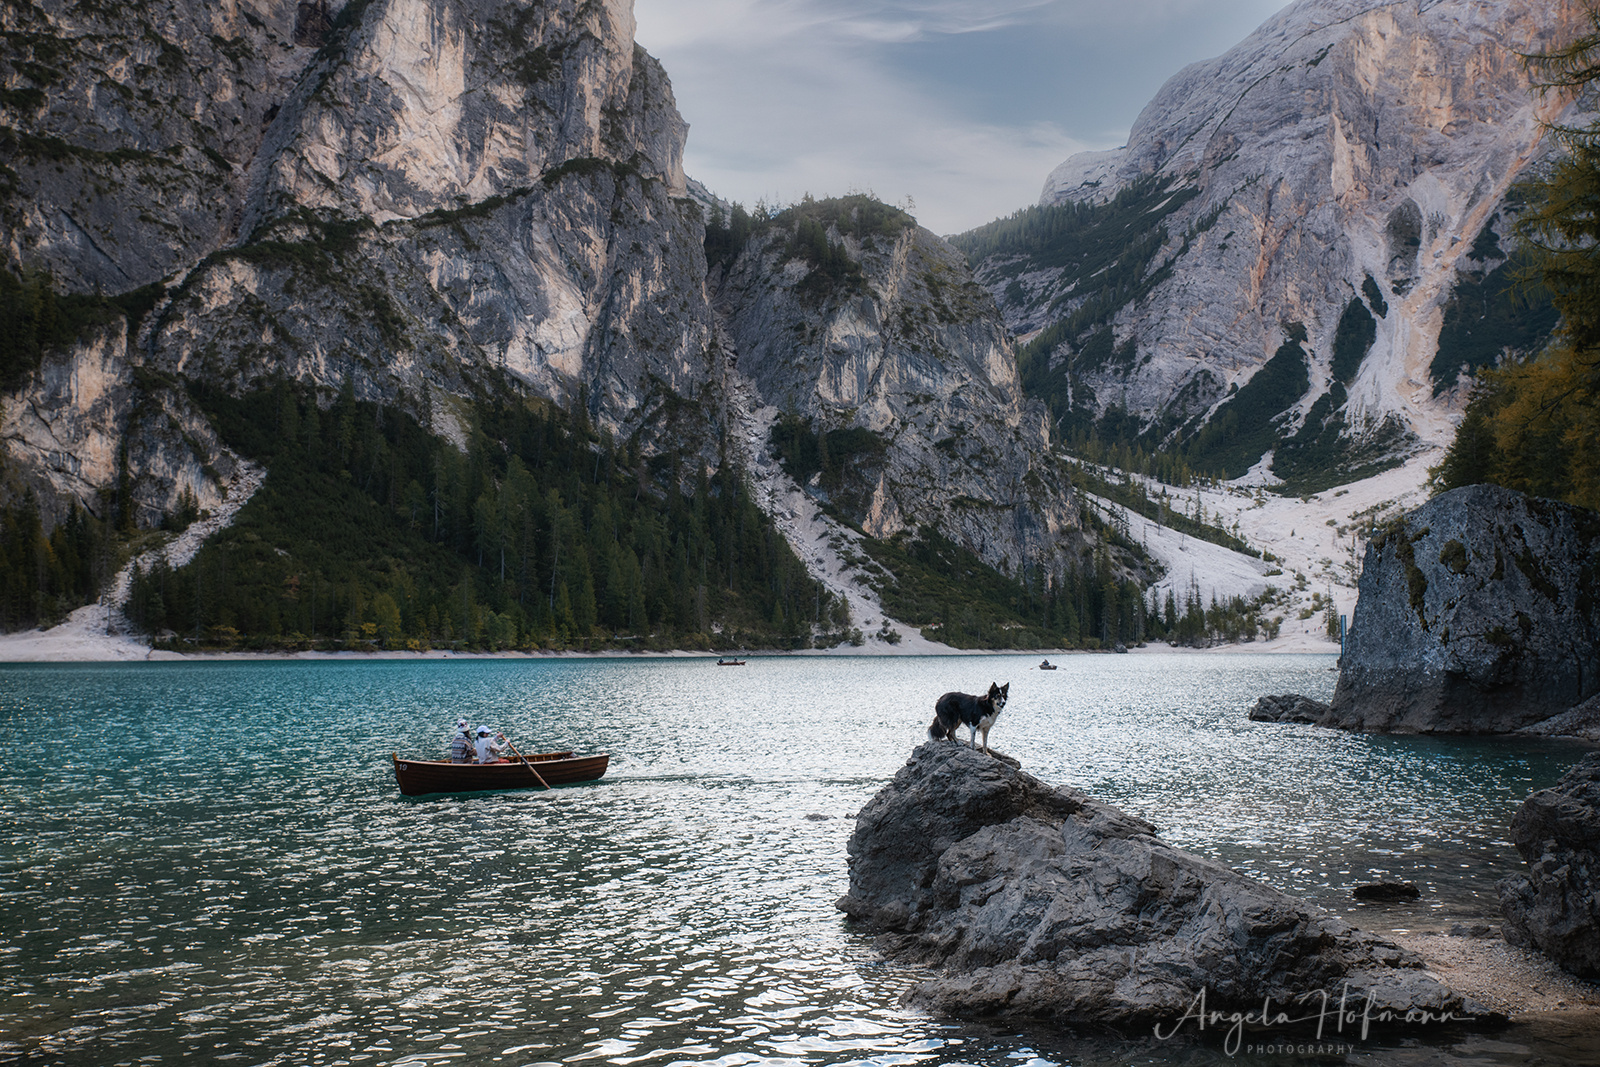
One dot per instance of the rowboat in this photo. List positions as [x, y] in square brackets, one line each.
[729, 662]
[418, 777]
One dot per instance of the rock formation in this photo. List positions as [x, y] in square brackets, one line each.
[1581, 723]
[430, 203]
[1041, 902]
[1318, 193]
[1290, 707]
[445, 198]
[1478, 612]
[1555, 906]
[901, 343]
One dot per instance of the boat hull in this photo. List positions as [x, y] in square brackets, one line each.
[420, 777]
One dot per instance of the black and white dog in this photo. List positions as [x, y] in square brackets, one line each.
[976, 713]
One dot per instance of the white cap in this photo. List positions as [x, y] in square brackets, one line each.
[483, 730]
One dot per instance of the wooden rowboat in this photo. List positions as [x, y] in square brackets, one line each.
[418, 777]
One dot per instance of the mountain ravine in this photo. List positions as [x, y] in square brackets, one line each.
[426, 204]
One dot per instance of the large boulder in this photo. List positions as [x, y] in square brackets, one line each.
[1555, 907]
[1040, 902]
[1478, 612]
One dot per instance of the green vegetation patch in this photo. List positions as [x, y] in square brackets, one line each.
[846, 463]
[815, 230]
[370, 533]
[1321, 454]
[1374, 295]
[1352, 339]
[1132, 494]
[34, 318]
[1246, 424]
[954, 597]
[1488, 319]
[43, 578]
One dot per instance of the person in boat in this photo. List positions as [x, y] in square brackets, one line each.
[461, 744]
[488, 746]
[1046, 664]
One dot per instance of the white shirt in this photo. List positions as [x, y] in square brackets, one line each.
[486, 748]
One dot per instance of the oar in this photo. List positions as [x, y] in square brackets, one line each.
[527, 764]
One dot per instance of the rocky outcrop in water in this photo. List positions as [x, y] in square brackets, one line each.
[1581, 723]
[1038, 901]
[1555, 906]
[1290, 707]
[1478, 612]
[1341, 173]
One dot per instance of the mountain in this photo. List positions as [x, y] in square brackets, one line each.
[436, 266]
[1302, 249]
[896, 379]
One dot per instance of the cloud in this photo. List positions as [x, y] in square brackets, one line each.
[963, 106]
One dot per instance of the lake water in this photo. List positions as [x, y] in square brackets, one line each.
[211, 863]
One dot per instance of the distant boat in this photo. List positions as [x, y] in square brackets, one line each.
[1047, 666]
[729, 662]
[418, 777]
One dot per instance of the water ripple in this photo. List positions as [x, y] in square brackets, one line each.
[211, 862]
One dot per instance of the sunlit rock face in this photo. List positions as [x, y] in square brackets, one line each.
[417, 199]
[1342, 169]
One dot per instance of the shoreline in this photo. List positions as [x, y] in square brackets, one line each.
[83, 639]
[1521, 983]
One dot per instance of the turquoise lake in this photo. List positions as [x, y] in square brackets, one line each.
[210, 862]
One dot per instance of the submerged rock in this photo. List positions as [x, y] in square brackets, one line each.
[1479, 612]
[1038, 901]
[1384, 892]
[1555, 907]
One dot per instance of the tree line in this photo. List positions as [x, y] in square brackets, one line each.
[1534, 425]
[371, 533]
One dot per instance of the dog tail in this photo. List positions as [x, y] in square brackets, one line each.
[937, 732]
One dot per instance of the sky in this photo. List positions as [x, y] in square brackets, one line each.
[962, 106]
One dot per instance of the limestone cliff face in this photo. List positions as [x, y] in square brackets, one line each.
[899, 341]
[1341, 170]
[421, 199]
[126, 131]
[474, 188]
[428, 202]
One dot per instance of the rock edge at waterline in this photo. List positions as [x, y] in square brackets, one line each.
[1038, 901]
[1555, 905]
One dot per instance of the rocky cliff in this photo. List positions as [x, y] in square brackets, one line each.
[1303, 243]
[1479, 612]
[427, 203]
[420, 199]
[1040, 902]
[871, 332]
